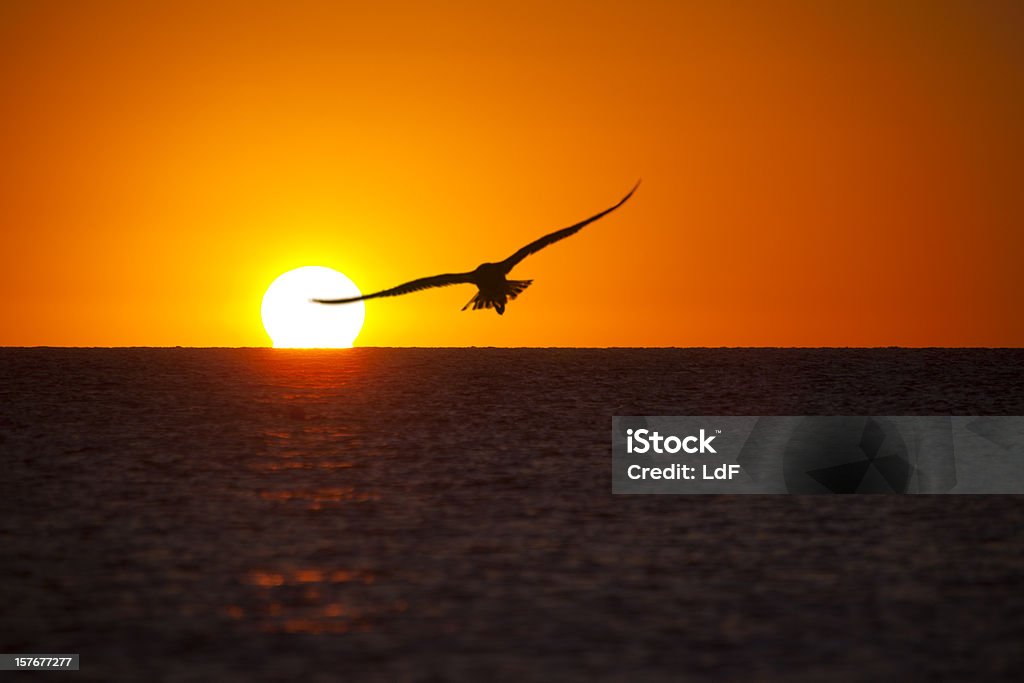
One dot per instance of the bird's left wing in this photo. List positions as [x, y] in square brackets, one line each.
[537, 245]
[407, 288]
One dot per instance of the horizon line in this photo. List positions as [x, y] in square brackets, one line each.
[354, 348]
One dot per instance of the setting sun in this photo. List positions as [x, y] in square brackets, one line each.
[293, 321]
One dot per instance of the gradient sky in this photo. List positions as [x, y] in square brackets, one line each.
[837, 174]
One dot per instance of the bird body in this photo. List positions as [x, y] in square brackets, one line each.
[494, 289]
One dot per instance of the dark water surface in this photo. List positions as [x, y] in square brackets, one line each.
[435, 514]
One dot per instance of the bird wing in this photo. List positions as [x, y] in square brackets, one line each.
[537, 245]
[408, 287]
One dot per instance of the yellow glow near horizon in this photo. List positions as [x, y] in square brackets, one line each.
[295, 322]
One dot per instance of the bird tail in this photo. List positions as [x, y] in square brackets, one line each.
[513, 288]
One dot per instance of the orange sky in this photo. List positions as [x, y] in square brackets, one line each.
[837, 174]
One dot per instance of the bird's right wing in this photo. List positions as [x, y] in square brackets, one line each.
[407, 288]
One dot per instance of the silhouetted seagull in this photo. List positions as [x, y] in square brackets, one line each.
[494, 289]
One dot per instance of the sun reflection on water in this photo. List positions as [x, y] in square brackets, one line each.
[313, 600]
[320, 498]
[310, 417]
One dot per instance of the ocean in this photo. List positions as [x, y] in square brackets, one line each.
[446, 514]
